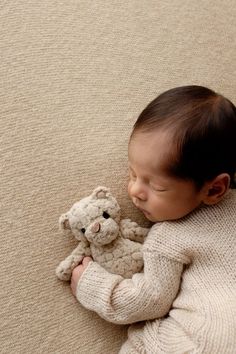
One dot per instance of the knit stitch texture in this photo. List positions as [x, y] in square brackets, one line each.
[186, 292]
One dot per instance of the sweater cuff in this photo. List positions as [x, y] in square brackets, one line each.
[96, 286]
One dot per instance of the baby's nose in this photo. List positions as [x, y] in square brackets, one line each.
[96, 227]
[137, 191]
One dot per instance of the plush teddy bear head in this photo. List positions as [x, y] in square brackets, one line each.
[94, 218]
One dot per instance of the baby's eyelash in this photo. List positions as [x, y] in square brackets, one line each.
[158, 189]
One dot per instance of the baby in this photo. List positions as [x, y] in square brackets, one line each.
[182, 168]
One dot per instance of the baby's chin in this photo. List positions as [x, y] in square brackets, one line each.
[149, 216]
[154, 218]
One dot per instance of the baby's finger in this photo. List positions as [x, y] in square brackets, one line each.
[86, 261]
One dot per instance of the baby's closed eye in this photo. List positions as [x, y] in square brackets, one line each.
[157, 188]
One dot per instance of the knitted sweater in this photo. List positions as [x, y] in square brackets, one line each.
[186, 293]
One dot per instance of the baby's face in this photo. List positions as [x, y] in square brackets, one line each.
[159, 196]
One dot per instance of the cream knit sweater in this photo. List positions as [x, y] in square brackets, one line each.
[187, 292]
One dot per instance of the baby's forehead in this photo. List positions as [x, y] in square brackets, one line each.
[161, 138]
[152, 149]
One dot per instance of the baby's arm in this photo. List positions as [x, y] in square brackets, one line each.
[132, 231]
[146, 296]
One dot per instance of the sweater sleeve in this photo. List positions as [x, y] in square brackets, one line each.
[145, 296]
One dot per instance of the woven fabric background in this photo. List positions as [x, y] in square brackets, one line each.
[74, 75]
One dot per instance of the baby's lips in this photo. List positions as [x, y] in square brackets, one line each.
[144, 211]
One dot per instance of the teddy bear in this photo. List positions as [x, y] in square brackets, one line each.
[96, 223]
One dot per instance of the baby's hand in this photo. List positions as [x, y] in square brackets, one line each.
[77, 272]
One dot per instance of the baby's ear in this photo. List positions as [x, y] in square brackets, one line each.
[64, 222]
[215, 190]
[101, 193]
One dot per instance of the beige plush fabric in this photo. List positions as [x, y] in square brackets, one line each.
[73, 77]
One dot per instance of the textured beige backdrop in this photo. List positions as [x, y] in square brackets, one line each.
[74, 75]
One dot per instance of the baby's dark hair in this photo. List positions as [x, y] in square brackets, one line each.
[203, 127]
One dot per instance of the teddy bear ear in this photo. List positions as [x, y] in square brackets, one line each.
[64, 222]
[101, 193]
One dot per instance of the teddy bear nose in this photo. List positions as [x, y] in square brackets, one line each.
[96, 227]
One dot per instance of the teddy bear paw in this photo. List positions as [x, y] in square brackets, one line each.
[63, 273]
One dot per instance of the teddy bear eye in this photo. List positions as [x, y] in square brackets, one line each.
[83, 230]
[105, 215]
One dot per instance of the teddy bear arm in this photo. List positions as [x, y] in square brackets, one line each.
[131, 230]
[65, 268]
